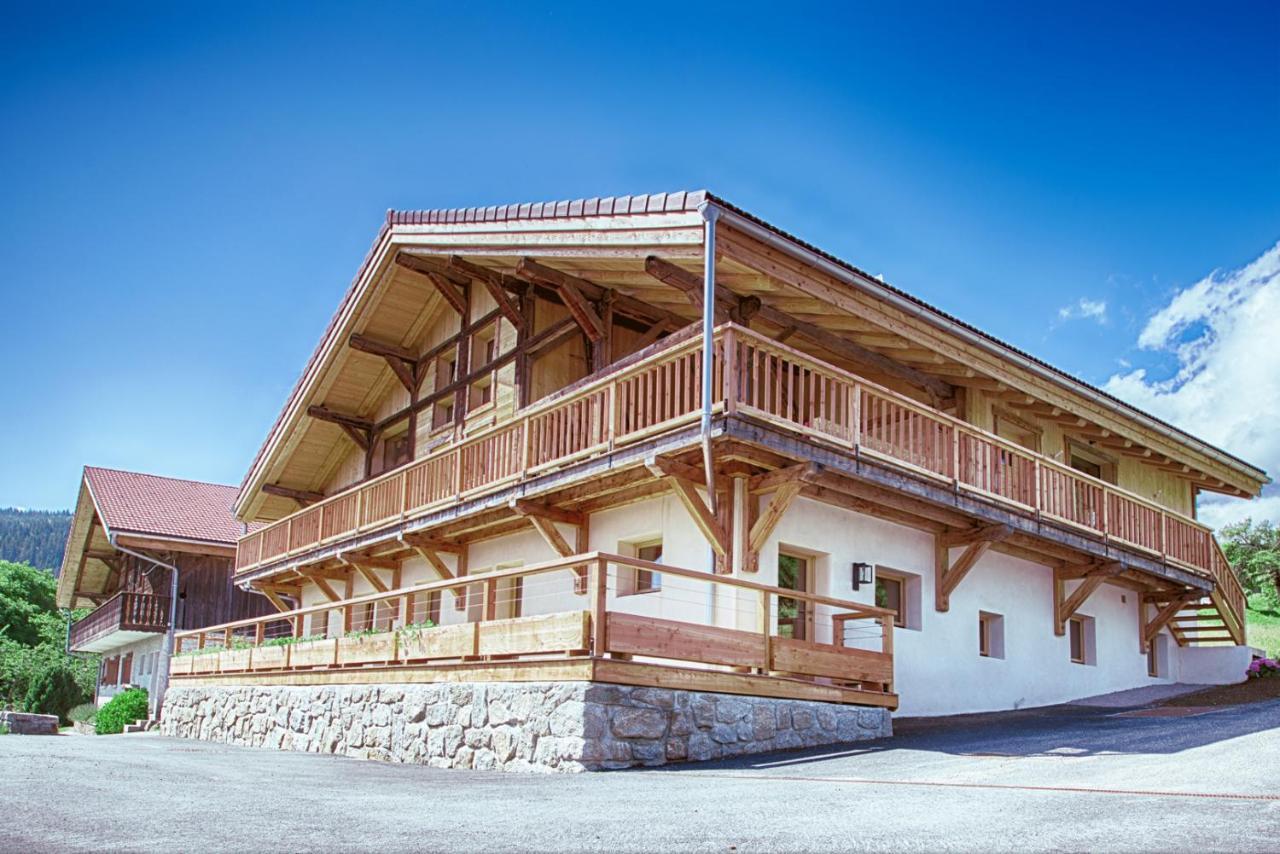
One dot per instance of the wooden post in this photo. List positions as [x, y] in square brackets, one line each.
[259, 633]
[762, 625]
[729, 369]
[599, 607]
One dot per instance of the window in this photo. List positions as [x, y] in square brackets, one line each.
[1153, 659]
[1017, 430]
[426, 606]
[889, 595]
[1080, 631]
[484, 349]
[990, 635]
[1083, 457]
[635, 580]
[396, 451]
[319, 624]
[899, 592]
[446, 374]
[794, 614]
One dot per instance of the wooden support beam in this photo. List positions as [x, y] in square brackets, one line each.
[570, 290]
[947, 576]
[302, 496]
[772, 515]
[666, 467]
[691, 283]
[551, 534]
[1064, 607]
[275, 599]
[778, 477]
[329, 593]
[525, 507]
[359, 429]
[687, 283]
[497, 284]
[686, 489]
[447, 282]
[1161, 619]
[402, 361]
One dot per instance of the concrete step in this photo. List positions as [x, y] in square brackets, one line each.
[141, 726]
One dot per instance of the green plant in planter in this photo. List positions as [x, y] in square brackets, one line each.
[124, 708]
[290, 640]
[416, 628]
[366, 633]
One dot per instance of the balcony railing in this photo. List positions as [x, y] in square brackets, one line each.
[772, 382]
[123, 612]
[721, 626]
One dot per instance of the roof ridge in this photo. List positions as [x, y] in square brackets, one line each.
[89, 468]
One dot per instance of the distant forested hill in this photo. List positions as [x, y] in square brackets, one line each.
[34, 536]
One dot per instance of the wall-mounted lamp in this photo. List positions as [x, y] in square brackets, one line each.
[863, 573]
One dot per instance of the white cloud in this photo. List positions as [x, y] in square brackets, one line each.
[1084, 309]
[1224, 332]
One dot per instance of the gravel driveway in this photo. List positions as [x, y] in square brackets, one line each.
[1061, 778]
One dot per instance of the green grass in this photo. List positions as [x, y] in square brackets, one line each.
[1263, 623]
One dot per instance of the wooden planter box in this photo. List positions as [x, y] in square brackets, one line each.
[180, 665]
[205, 662]
[369, 649]
[438, 642]
[316, 653]
[234, 660]
[269, 658]
[543, 633]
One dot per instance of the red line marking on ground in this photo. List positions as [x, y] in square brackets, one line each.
[1083, 790]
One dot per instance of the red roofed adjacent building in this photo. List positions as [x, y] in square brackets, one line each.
[130, 534]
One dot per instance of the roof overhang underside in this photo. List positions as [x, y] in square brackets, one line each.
[391, 304]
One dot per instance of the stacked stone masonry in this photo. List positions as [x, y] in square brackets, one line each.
[526, 726]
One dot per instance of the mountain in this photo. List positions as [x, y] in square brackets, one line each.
[36, 537]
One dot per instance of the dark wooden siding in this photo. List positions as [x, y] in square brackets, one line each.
[206, 596]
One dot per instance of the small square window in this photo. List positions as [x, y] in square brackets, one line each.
[899, 592]
[990, 635]
[633, 580]
[889, 595]
[1080, 633]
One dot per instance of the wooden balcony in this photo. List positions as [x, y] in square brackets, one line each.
[123, 619]
[570, 620]
[659, 391]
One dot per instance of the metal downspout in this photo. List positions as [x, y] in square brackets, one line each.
[709, 215]
[173, 612]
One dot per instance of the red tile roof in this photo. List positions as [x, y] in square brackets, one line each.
[164, 506]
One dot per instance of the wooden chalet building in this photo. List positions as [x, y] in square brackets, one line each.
[128, 534]
[657, 442]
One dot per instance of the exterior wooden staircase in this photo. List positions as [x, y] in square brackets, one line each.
[1207, 621]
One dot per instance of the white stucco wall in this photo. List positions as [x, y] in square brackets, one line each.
[938, 669]
[149, 664]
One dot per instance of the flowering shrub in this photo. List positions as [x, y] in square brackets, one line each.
[1263, 667]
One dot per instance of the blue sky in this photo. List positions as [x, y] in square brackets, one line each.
[188, 189]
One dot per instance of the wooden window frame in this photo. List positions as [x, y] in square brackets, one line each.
[654, 579]
[999, 414]
[1076, 446]
[1074, 625]
[991, 635]
[911, 592]
[899, 613]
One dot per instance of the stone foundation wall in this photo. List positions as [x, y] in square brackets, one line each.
[514, 726]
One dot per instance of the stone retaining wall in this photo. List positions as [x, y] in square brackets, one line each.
[23, 723]
[514, 726]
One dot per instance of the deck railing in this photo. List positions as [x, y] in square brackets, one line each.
[543, 611]
[773, 382]
[125, 611]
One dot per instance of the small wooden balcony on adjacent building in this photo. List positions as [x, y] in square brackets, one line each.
[123, 619]
[784, 423]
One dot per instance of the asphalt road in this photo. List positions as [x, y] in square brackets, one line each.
[1068, 778]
